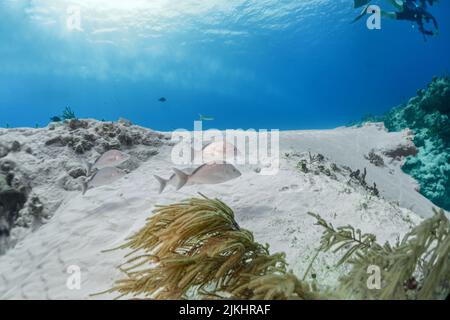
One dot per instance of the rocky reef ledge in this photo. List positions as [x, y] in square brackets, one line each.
[38, 167]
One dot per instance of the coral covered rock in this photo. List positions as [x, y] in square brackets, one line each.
[427, 115]
[40, 166]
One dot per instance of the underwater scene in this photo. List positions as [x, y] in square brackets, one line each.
[225, 150]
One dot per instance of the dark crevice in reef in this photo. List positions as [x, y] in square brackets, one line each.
[16, 198]
[13, 196]
[427, 115]
[11, 202]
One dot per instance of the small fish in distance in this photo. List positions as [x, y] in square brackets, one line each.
[205, 118]
[162, 99]
[102, 177]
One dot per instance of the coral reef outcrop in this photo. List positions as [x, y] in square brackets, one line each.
[39, 166]
[427, 115]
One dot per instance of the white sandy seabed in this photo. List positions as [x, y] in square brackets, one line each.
[274, 208]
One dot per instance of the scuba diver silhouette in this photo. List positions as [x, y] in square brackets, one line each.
[408, 10]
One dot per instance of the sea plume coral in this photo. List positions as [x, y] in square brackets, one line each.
[196, 247]
[418, 267]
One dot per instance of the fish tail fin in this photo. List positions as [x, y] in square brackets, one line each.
[182, 178]
[87, 168]
[84, 187]
[162, 183]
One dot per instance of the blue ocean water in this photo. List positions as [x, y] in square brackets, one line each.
[285, 64]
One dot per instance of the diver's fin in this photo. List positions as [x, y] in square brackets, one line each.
[362, 14]
[359, 3]
[162, 183]
[182, 178]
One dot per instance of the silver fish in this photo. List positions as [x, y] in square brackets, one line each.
[210, 173]
[220, 151]
[172, 181]
[102, 177]
[111, 158]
